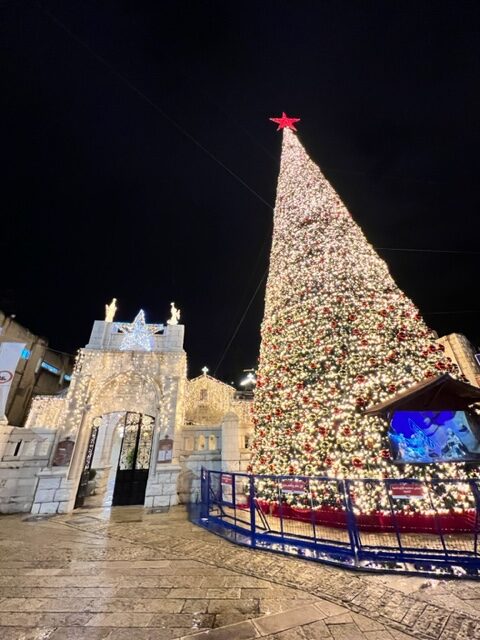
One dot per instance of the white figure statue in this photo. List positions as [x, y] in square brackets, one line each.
[110, 310]
[175, 314]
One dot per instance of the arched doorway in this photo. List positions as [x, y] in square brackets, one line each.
[116, 464]
[134, 460]
[117, 460]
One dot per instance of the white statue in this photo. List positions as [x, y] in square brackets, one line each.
[175, 314]
[110, 310]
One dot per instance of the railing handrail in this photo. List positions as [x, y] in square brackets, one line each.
[342, 533]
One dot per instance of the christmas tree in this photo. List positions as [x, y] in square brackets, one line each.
[338, 336]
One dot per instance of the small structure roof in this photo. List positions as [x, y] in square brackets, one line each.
[433, 394]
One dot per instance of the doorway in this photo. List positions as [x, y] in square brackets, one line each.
[134, 459]
[117, 460]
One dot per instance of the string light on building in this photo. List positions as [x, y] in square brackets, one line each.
[249, 380]
[138, 334]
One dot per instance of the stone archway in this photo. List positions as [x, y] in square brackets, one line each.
[119, 443]
[113, 375]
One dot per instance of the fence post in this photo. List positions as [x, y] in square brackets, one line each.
[351, 521]
[476, 496]
[252, 510]
[203, 501]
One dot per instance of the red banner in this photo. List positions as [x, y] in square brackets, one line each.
[293, 486]
[408, 490]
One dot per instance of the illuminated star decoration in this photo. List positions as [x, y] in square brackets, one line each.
[138, 334]
[285, 122]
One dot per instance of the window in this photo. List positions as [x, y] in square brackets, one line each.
[50, 368]
[203, 394]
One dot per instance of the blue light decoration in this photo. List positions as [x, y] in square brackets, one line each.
[434, 436]
[26, 353]
[67, 378]
[50, 368]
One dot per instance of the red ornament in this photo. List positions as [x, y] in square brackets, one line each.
[285, 122]
[328, 461]
[346, 431]
[385, 453]
[357, 463]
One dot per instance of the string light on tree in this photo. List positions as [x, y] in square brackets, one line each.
[338, 335]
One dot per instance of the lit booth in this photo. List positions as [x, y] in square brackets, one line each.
[433, 422]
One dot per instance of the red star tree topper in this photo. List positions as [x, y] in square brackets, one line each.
[285, 122]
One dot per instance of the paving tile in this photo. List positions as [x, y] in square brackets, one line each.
[39, 619]
[81, 633]
[292, 618]
[242, 606]
[120, 620]
[231, 617]
[330, 608]
[366, 624]
[240, 631]
[26, 633]
[343, 618]
[382, 634]
[194, 606]
[188, 620]
[149, 633]
[316, 630]
[290, 634]
[399, 635]
[216, 594]
[346, 632]
[187, 594]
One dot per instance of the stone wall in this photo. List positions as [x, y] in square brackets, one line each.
[162, 486]
[23, 453]
[55, 492]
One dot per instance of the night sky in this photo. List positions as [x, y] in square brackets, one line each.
[139, 161]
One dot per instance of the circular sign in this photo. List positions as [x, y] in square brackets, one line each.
[5, 377]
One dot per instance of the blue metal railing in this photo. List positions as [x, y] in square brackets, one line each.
[406, 525]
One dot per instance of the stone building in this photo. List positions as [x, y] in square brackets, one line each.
[40, 370]
[131, 428]
[462, 352]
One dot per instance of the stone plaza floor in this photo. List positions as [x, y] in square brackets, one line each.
[126, 574]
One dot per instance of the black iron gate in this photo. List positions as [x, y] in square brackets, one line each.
[134, 460]
[82, 487]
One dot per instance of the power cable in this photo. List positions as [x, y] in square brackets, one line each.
[153, 104]
[240, 322]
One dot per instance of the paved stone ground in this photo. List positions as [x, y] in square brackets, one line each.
[125, 574]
